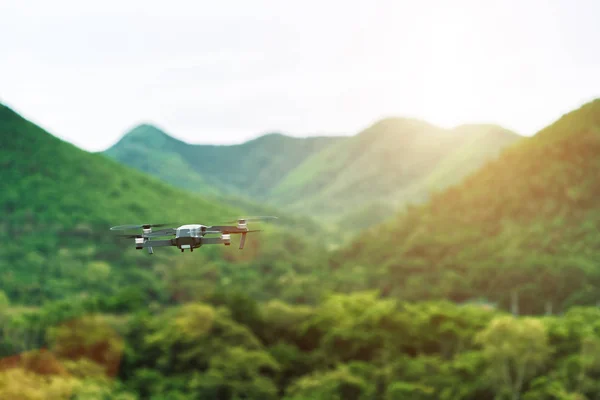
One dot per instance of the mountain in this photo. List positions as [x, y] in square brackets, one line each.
[478, 145]
[92, 319]
[59, 201]
[251, 169]
[393, 162]
[523, 231]
[364, 178]
[150, 150]
[46, 179]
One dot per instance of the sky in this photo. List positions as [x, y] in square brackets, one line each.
[228, 71]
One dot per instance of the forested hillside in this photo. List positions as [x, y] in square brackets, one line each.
[251, 169]
[59, 261]
[524, 229]
[395, 161]
[59, 203]
[364, 178]
[85, 316]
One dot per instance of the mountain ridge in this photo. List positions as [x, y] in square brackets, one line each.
[215, 168]
[394, 160]
[59, 202]
[320, 176]
[139, 131]
[523, 226]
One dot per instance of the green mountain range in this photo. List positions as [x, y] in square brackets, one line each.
[250, 169]
[393, 162]
[382, 318]
[59, 202]
[526, 216]
[523, 231]
[365, 177]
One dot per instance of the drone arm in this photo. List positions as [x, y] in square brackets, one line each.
[206, 240]
[162, 232]
[224, 229]
[158, 243]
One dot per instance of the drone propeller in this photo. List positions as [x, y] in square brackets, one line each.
[130, 236]
[261, 218]
[220, 232]
[142, 226]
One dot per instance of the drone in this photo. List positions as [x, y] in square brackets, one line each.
[190, 237]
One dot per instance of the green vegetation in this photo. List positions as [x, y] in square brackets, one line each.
[394, 162]
[418, 307]
[355, 346]
[251, 169]
[478, 145]
[523, 230]
[60, 201]
[150, 150]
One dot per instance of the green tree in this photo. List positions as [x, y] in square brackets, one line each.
[353, 326]
[340, 383]
[240, 373]
[90, 337]
[515, 349]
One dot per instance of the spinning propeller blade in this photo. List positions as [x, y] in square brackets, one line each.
[261, 218]
[144, 226]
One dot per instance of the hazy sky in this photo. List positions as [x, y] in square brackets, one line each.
[227, 71]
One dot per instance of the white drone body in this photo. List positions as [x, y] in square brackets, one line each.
[190, 236]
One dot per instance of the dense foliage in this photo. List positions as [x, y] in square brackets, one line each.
[356, 346]
[417, 308]
[524, 229]
[59, 202]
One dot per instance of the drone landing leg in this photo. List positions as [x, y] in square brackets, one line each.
[242, 241]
